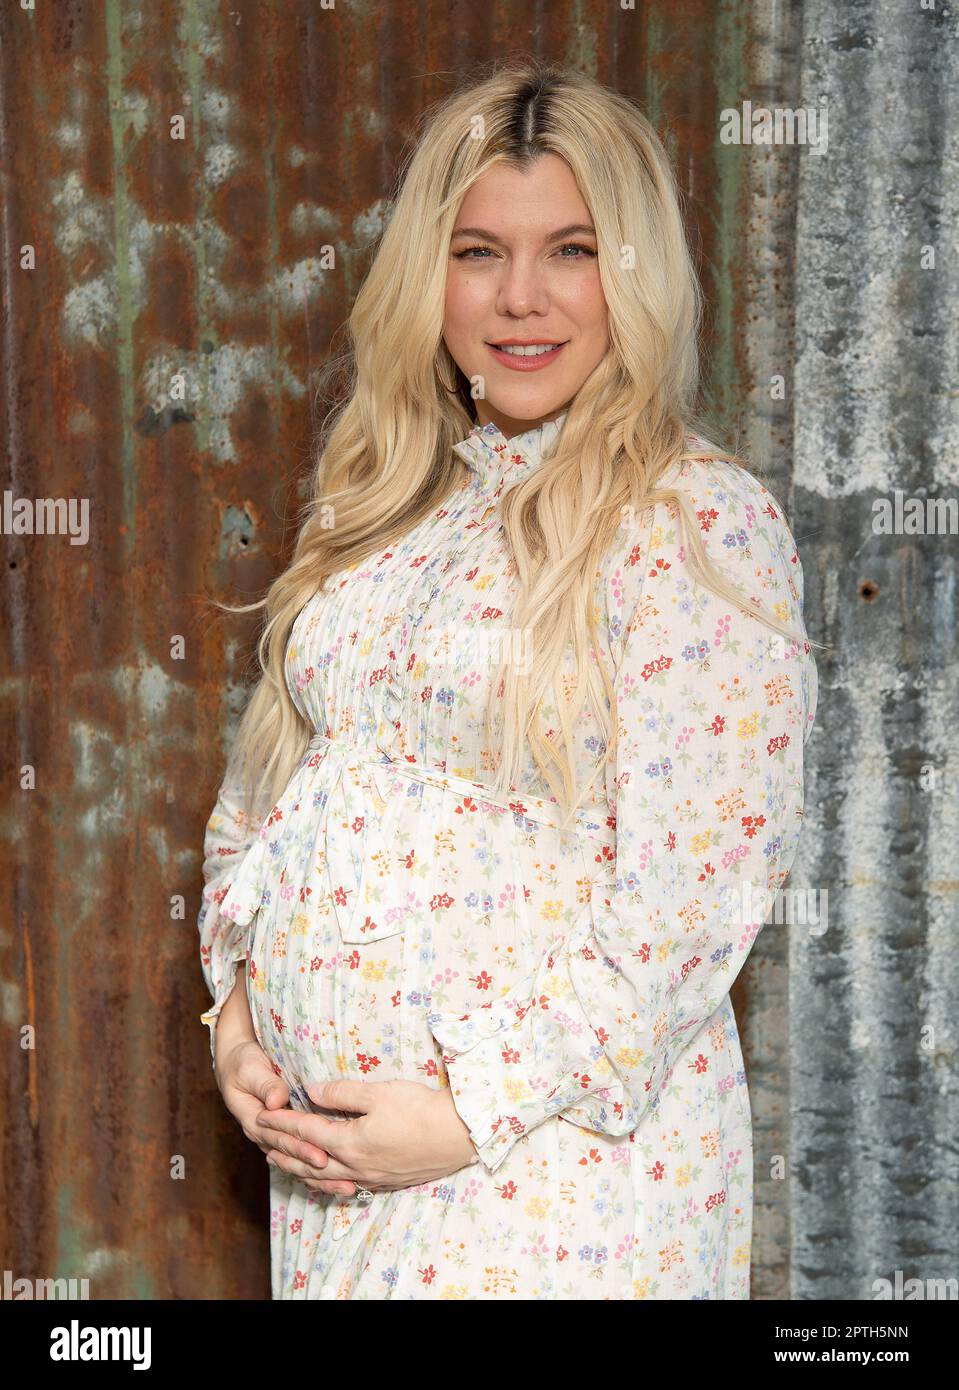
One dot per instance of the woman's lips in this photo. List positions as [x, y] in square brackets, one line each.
[520, 363]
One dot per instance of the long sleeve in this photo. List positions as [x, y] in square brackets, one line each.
[712, 710]
[223, 943]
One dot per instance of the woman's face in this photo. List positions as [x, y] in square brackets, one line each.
[523, 271]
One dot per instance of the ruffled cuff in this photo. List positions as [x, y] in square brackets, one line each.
[221, 994]
[484, 1054]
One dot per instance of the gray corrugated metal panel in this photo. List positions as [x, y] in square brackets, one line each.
[873, 1184]
[762, 225]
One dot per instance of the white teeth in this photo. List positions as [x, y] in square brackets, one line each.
[530, 349]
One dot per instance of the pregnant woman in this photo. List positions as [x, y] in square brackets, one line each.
[523, 773]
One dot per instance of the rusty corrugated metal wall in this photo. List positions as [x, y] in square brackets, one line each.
[159, 349]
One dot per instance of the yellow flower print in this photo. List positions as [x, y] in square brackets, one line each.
[701, 844]
[746, 728]
[453, 1293]
[538, 1208]
[684, 1174]
[628, 1057]
[374, 969]
[517, 1090]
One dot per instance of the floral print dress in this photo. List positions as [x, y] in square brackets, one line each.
[572, 991]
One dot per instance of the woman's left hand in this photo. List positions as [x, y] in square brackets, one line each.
[404, 1133]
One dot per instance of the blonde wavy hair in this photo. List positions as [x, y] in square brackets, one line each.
[384, 455]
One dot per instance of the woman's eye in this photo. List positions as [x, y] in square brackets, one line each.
[485, 252]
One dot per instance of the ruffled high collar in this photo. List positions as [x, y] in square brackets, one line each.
[498, 463]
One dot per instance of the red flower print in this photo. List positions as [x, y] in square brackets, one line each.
[718, 726]
[427, 1275]
[507, 1191]
[690, 965]
[700, 1064]
[657, 1172]
[660, 567]
[751, 824]
[482, 981]
[706, 517]
[653, 668]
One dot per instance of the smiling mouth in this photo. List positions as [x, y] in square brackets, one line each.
[527, 349]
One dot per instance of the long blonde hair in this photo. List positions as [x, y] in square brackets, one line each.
[384, 454]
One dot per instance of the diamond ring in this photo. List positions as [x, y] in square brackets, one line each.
[364, 1196]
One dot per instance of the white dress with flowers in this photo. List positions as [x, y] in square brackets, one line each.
[572, 992]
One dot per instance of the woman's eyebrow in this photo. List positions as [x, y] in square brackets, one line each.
[574, 229]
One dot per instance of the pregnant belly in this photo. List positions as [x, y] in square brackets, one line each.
[460, 908]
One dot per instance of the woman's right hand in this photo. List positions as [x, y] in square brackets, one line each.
[247, 1083]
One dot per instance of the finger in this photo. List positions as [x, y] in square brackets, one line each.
[309, 1174]
[255, 1078]
[338, 1189]
[299, 1149]
[329, 1136]
[343, 1094]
